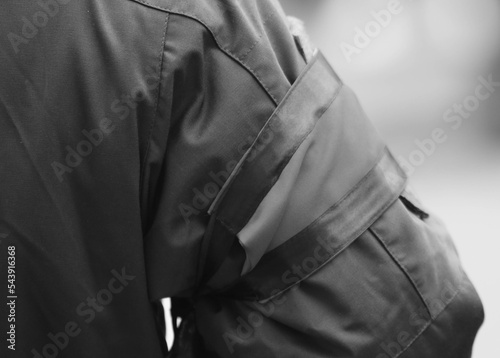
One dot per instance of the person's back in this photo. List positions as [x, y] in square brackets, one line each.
[78, 91]
[191, 149]
[86, 107]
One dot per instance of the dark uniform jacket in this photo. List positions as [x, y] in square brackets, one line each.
[191, 149]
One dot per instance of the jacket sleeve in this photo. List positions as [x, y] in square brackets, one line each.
[214, 100]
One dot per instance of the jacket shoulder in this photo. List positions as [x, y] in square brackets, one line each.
[253, 33]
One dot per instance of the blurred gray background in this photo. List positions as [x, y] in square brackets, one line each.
[415, 73]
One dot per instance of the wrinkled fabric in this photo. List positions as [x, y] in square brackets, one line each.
[113, 115]
[372, 275]
[140, 144]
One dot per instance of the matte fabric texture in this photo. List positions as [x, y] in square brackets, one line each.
[121, 125]
[374, 275]
[320, 172]
[167, 101]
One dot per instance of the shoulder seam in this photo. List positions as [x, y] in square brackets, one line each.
[223, 49]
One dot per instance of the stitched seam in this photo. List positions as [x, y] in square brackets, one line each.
[227, 51]
[226, 225]
[428, 324]
[294, 149]
[417, 336]
[402, 267]
[335, 206]
[340, 248]
[220, 196]
[357, 234]
[247, 52]
[287, 159]
[157, 101]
